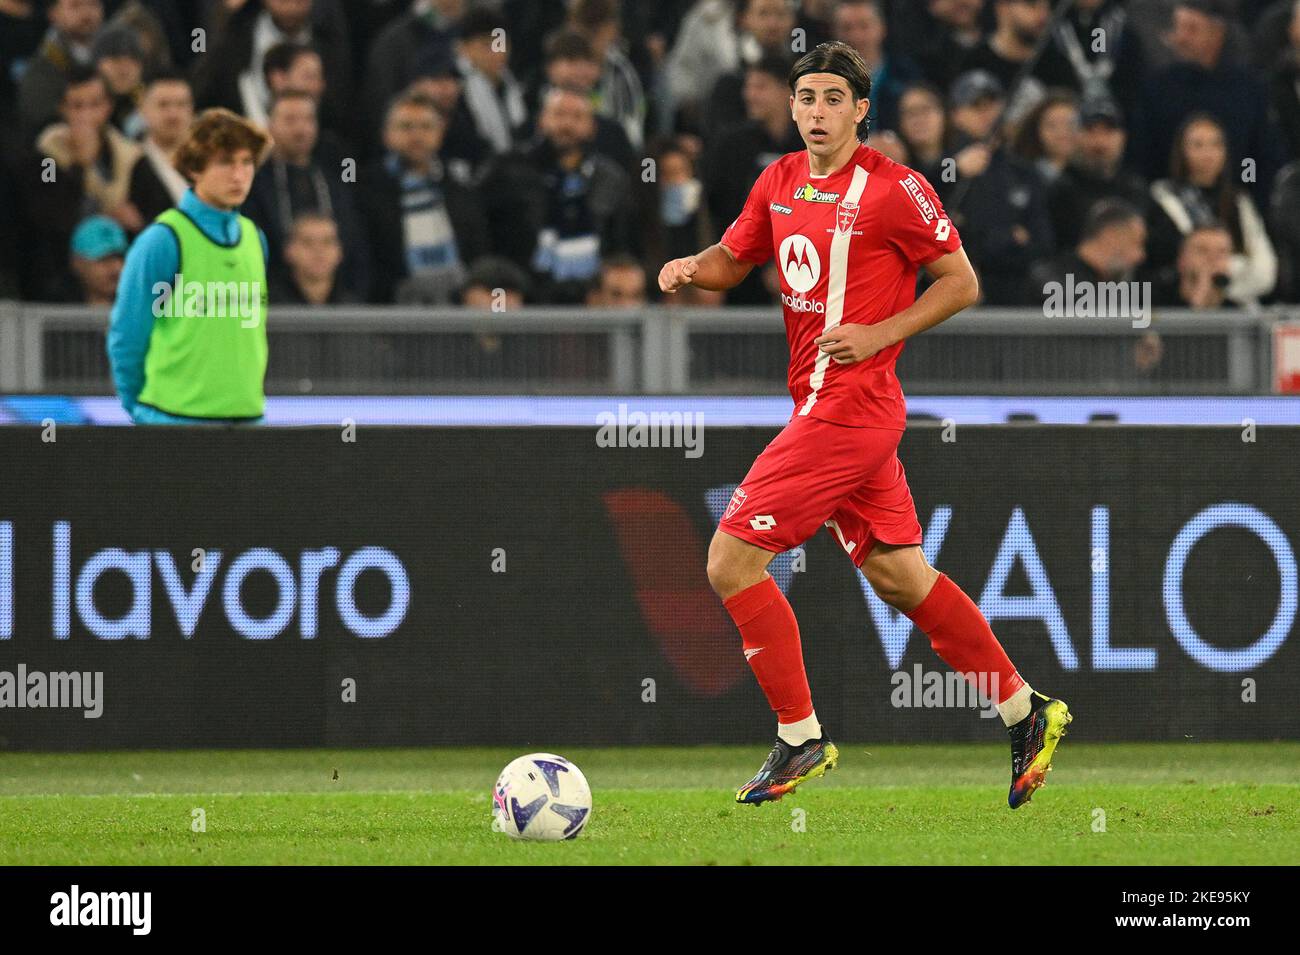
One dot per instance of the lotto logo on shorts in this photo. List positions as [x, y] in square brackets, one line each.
[764, 522]
[737, 499]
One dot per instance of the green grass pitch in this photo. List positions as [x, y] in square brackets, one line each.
[1177, 803]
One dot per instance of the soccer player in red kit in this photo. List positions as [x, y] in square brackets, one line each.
[849, 229]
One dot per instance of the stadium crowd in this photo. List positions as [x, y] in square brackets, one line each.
[436, 151]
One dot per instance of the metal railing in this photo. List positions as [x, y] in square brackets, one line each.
[578, 350]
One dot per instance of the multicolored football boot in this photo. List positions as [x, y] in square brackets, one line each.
[787, 766]
[1033, 741]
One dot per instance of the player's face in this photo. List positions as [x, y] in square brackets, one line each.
[826, 113]
[226, 179]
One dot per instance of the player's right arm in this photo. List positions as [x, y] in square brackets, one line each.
[153, 258]
[716, 269]
[746, 243]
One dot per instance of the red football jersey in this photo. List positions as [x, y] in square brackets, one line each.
[848, 247]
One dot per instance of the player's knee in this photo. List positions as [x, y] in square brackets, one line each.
[724, 574]
[888, 586]
[902, 589]
[729, 572]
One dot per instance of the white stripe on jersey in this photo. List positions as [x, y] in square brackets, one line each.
[835, 280]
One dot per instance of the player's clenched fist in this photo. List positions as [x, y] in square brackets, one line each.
[677, 273]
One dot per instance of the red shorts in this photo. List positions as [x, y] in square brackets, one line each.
[817, 473]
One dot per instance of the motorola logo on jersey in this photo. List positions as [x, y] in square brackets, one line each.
[800, 263]
[797, 303]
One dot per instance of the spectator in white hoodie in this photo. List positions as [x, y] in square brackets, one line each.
[1202, 189]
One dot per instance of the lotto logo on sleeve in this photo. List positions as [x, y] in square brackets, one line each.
[737, 500]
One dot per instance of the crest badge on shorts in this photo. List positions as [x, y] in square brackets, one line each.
[846, 215]
[737, 500]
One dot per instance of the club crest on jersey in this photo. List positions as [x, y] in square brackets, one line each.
[737, 500]
[808, 194]
[799, 262]
[846, 215]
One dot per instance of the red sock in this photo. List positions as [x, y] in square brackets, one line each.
[962, 637]
[771, 639]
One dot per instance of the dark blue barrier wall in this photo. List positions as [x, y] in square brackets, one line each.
[528, 587]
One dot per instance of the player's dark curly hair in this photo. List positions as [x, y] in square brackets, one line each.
[836, 56]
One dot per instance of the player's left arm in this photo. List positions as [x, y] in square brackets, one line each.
[955, 287]
[923, 234]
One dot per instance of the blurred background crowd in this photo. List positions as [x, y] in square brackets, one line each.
[559, 151]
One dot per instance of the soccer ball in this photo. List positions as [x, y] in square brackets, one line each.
[541, 796]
